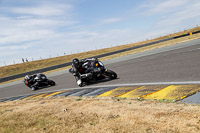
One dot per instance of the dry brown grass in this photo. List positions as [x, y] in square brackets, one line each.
[97, 115]
[34, 65]
[155, 46]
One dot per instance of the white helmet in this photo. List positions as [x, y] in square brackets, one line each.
[27, 77]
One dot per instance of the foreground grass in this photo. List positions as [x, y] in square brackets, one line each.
[80, 114]
[34, 65]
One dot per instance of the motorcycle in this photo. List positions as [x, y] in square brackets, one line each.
[40, 80]
[94, 71]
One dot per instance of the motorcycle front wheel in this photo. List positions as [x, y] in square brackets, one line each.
[51, 82]
[33, 88]
[111, 74]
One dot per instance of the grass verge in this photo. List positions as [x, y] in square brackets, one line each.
[67, 114]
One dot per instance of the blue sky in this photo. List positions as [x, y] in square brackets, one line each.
[49, 28]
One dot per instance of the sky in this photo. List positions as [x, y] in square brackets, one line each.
[40, 29]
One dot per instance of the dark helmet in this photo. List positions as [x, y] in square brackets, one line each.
[75, 62]
[95, 59]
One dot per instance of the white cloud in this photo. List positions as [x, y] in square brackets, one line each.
[168, 5]
[43, 10]
[27, 27]
[157, 7]
[188, 14]
[17, 36]
[16, 31]
[110, 20]
[15, 47]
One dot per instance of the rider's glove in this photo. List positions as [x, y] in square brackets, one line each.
[79, 82]
[74, 74]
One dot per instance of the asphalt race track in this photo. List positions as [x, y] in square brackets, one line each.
[172, 64]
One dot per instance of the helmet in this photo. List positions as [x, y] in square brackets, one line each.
[27, 77]
[75, 62]
[95, 59]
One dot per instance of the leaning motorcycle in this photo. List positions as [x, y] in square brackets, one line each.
[39, 81]
[94, 71]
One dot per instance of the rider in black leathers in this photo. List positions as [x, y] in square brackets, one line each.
[30, 79]
[79, 71]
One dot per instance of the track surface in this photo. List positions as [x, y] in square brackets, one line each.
[175, 65]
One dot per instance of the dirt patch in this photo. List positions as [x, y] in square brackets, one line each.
[81, 114]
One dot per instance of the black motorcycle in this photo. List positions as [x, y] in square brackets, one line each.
[94, 71]
[40, 80]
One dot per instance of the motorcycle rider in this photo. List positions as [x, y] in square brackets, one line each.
[33, 79]
[38, 80]
[30, 79]
[79, 71]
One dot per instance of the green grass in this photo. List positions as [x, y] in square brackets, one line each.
[79, 99]
[167, 100]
